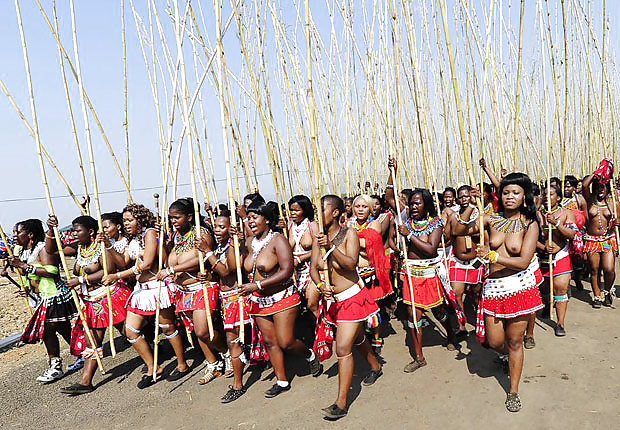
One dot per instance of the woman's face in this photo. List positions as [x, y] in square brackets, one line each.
[21, 236]
[568, 189]
[448, 199]
[297, 213]
[403, 200]
[553, 195]
[376, 210]
[348, 207]
[416, 206]
[464, 197]
[361, 210]
[131, 224]
[513, 197]
[180, 222]
[579, 187]
[258, 224]
[111, 229]
[220, 229]
[84, 235]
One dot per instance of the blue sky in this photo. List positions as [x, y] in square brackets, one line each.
[99, 35]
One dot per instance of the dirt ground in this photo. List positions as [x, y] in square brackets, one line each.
[567, 383]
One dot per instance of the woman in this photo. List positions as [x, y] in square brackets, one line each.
[272, 297]
[181, 273]
[301, 232]
[223, 264]
[88, 271]
[141, 256]
[510, 292]
[560, 222]
[373, 266]
[600, 238]
[54, 309]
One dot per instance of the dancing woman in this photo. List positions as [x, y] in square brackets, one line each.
[141, 257]
[182, 268]
[88, 271]
[54, 308]
[273, 299]
[301, 230]
[510, 292]
[222, 262]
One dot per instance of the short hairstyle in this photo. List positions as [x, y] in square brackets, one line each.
[572, 181]
[265, 210]
[305, 204]
[254, 197]
[450, 189]
[463, 188]
[88, 222]
[335, 201]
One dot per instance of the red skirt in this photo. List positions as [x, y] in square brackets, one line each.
[191, 297]
[50, 309]
[580, 218]
[376, 290]
[262, 306]
[357, 308]
[427, 292]
[562, 266]
[468, 275]
[229, 302]
[95, 308]
[602, 244]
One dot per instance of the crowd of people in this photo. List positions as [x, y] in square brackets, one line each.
[502, 253]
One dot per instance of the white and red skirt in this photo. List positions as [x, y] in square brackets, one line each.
[376, 290]
[143, 299]
[229, 303]
[354, 305]
[561, 264]
[189, 298]
[266, 305]
[465, 272]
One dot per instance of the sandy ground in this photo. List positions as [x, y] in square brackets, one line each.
[567, 383]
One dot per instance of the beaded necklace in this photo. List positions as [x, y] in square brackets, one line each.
[488, 209]
[29, 256]
[418, 228]
[360, 228]
[221, 250]
[90, 254]
[507, 226]
[183, 243]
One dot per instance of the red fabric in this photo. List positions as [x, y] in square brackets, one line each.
[282, 305]
[427, 292]
[524, 302]
[376, 256]
[323, 333]
[466, 276]
[601, 244]
[35, 326]
[358, 308]
[258, 350]
[562, 266]
[580, 218]
[230, 312]
[96, 312]
[192, 300]
[605, 170]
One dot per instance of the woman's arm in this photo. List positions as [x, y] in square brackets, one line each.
[349, 259]
[150, 251]
[489, 173]
[429, 249]
[585, 189]
[314, 261]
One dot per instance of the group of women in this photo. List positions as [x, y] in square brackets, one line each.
[341, 266]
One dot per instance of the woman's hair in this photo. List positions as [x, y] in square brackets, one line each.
[335, 201]
[88, 222]
[35, 227]
[528, 208]
[427, 198]
[186, 207]
[305, 204]
[222, 210]
[115, 218]
[449, 189]
[266, 210]
[573, 181]
[407, 192]
[254, 197]
[463, 188]
[381, 201]
[558, 190]
[369, 201]
[142, 214]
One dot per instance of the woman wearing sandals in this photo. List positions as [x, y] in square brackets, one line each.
[510, 293]
[182, 268]
[272, 297]
[88, 271]
[223, 264]
[142, 255]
